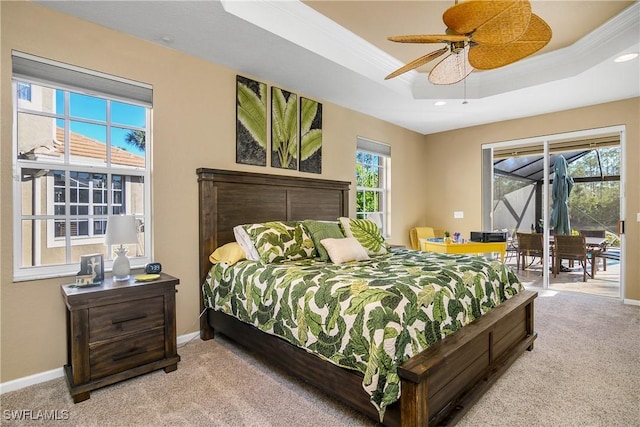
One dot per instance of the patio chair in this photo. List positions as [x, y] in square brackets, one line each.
[512, 244]
[596, 252]
[417, 233]
[612, 254]
[528, 245]
[572, 248]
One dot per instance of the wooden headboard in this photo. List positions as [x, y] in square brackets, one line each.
[229, 198]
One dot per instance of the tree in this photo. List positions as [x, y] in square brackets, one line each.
[368, 179]
[594, 203]
[136, 138]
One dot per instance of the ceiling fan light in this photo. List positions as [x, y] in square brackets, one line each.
[440, 103]
[626, 57]
[452, 69]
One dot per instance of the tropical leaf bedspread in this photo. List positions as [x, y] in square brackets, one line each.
[369, 316]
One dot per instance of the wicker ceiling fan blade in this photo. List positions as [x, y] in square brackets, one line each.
[417, 63]
[490, 22]
[429, 38]
[451, 69]
[505, 27]
[487, 57]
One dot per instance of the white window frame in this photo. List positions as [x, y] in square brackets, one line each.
[91, 83]
[365, 145]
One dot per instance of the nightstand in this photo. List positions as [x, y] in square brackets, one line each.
[118, 330]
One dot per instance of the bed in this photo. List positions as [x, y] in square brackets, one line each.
[438, 385]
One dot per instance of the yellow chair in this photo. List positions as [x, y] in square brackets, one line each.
[417, 233]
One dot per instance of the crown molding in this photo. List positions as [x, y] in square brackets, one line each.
[300, 24]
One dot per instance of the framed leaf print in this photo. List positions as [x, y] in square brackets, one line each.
[310, 136]
[251, 122]
[284, 129]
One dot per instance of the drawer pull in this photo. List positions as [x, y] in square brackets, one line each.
[127, 318]
[133, 352]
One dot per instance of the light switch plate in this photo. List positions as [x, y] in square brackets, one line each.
[638, 216]
[458, 214]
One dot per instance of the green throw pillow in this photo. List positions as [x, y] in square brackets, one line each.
[281, 241]
[323, 230]
[366, 232]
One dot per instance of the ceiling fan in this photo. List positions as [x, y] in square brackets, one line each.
[482, 35]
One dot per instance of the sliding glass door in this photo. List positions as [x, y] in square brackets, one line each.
[518, 183]
[514, 200]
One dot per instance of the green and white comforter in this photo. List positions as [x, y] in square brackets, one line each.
[370, 316]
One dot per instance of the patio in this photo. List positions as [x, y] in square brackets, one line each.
[594, 205]
[606, 283]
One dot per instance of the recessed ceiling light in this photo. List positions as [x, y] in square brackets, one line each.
[167, 39]
[626, 57]
[440, 103]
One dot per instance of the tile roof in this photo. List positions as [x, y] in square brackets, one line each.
[83, 146]
[88, 148]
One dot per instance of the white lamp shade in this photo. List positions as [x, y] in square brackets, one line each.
[121, 230]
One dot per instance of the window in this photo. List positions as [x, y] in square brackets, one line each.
[373, 164]
[81, 154]
[24, 91]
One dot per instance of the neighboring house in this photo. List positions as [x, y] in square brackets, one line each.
[44, 189]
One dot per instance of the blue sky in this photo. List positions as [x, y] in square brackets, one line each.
[87, 107]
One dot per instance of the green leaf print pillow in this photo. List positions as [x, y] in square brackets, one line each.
[366, 232]
[322, 230]
[278, 241]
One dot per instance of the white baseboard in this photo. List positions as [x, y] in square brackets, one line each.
[41, 377]
[631, 301]
[183, 339]
[23, 382]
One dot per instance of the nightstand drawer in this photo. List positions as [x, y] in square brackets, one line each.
[119, 355]
[109, 321]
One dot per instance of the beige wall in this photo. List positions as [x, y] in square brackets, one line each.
[460, 187]
[193, 126]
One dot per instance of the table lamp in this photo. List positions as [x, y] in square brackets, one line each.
[121, 230]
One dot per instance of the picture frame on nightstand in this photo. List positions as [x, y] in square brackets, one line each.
[91, 270]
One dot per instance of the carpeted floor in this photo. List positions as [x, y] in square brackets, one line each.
[584, 371]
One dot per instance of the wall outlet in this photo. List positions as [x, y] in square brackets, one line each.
[460, 214]
[638, 219]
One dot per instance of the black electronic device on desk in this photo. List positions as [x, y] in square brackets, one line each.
[488, 236]
[153, 268]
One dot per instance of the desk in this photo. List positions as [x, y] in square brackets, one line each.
[465, 248]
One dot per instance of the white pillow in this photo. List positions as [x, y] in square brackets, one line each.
[344, 250]
[245, 242]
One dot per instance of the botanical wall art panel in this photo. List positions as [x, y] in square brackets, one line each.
[310, 136]
[284, 129]
[251, 122]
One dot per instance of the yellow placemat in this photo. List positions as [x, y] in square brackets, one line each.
[147, 277]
